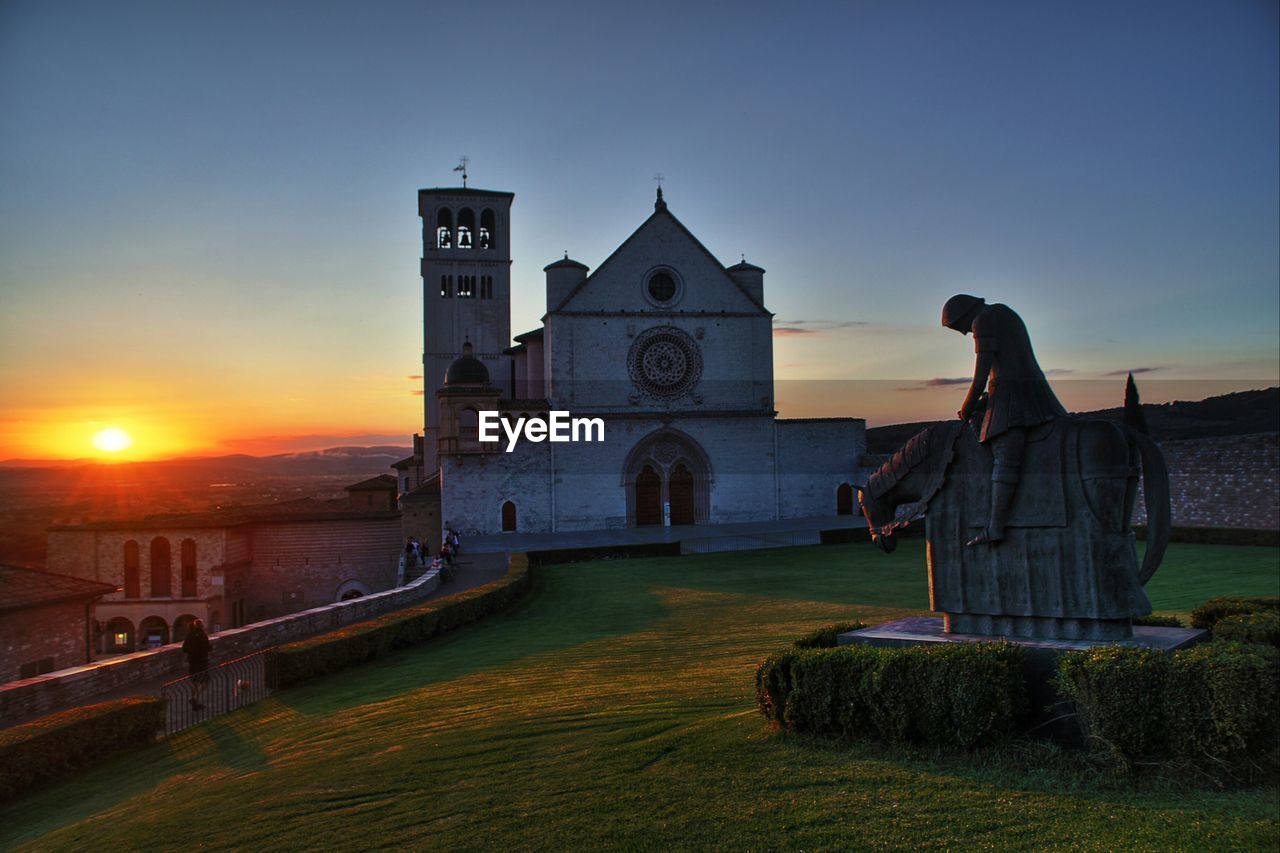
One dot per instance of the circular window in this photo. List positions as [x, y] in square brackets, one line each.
[662, 286]
[664, 362]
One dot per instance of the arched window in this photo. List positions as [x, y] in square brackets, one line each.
[446, 286]
[153, 632]
[488, 228]
[466, 227]
[444, 228]
[350, 594]
[161, 568]
[508, 517]
[466, 286]
[132, 575]
[844, 499]
[188, 552]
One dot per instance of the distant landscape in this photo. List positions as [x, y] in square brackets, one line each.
[1241, 413]
[35, 494]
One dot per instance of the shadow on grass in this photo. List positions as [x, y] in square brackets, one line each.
[568, 606]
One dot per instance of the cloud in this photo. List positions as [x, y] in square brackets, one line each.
[786, 328]
[1058, 371]
[414, 378]
[1135, 370]
[937, 382]
[417, 392]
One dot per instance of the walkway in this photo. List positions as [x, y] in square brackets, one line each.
[473, 571]
[750, 534]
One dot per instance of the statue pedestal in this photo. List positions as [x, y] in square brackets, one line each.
[1049, 714]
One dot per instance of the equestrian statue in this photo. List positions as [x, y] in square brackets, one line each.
[1026, 508]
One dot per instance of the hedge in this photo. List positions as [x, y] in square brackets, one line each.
[948, 695]
[1212, 707]
[68, 740]
[1263, 628]
[1153, 620]
[827, 637]
[1215, 609]
[295, 663]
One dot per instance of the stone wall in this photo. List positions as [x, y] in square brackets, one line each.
[816, 456]
[297, 565]
[35, 634]
[1223, 482]
[42, 694]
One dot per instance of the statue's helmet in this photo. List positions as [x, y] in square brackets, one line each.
[958, 309]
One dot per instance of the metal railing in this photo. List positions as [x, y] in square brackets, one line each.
[221, 689]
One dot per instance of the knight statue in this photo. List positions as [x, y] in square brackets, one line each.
[1027, 510]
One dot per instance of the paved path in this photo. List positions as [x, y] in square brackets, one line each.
[690, 533]
[473, 571]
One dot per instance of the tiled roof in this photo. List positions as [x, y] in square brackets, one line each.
[378, 483]
[23, 588]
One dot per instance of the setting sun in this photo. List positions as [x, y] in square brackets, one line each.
[112, 440]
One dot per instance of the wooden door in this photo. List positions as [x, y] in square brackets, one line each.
[681, 495]
[648, 497]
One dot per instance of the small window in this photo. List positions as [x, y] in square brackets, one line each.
[487, 229]
[662, 287]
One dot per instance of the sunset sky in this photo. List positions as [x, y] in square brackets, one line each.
[208, 212]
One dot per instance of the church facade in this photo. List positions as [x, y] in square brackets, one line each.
[664, 344]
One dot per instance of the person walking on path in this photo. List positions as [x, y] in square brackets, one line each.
[197, 647]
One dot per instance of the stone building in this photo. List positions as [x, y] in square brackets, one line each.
[46, 621]
[670, 349]
[230, 567]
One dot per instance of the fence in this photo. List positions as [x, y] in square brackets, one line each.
[194, 699]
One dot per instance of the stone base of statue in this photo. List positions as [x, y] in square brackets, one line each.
[1048, 716]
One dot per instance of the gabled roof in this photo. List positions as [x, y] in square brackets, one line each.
[382, 482]
[531, 335]
[407, 462]
[23, 588]
[660, 210]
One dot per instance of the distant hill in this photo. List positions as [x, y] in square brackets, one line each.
[1241, 413]
[335, 461]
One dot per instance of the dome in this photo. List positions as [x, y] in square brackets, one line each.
[466, 369]
[565, 263]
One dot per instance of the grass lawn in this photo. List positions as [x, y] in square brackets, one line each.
[615, 707]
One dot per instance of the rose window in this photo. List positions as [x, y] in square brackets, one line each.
[664, 362]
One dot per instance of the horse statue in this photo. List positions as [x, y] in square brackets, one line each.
[1068, 566]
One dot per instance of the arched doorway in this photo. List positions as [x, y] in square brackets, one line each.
[181, 626]
[844, 499]
[667, 467]
[648, 497]
[153, 632]
[351, 589]
[117, 639]
[680, 490]
[508, 517]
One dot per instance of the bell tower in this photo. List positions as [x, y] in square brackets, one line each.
[466, 290]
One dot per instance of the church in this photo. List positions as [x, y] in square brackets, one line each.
[669, 348]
